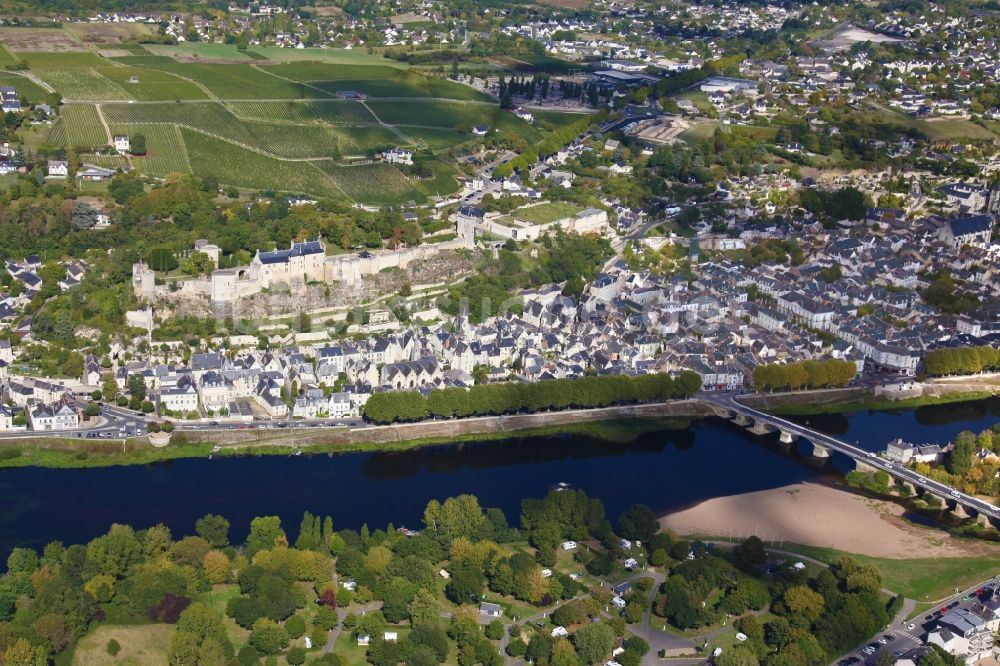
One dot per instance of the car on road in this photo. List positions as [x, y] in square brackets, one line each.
[911, 627]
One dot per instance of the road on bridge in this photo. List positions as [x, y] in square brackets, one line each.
[729, 402]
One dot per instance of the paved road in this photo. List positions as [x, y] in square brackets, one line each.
[729, 401]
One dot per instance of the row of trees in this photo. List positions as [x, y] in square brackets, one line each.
[961, 360]
[552, 144]
[804, 374]
[510, 398]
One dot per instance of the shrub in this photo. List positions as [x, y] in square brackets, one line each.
[113, 647]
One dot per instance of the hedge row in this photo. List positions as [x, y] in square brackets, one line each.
[513, 397]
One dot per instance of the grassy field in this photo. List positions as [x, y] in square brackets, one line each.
[141, 645]
[952, 128]
[546, 212]
[923, 580]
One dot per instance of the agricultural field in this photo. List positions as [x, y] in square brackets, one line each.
[38, 39]
[437, 139]
[165, 149]
[83, 84]
[335, 112]
[436, 113]
[247, 169]
[321, 71]
[81, 128]
[107, 33]
[105, 161]
[153, 85]
[240, 81]
[360, 139]
[25, 87]
[262, 120]
[381, 183]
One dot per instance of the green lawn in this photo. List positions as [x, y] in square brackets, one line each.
[926, 579]
[546, 212]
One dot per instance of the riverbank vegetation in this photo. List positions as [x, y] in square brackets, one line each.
[854, 403]
[529, 397]
[66, 453]
[390, 595]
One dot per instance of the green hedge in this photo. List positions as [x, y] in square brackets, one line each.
[513, 397]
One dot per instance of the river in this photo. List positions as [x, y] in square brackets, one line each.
[667, 470]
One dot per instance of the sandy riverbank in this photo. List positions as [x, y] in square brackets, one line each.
[819, 515]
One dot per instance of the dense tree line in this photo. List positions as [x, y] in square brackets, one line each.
[511, 397]
[961, 360]
[830, 373]
[49, 600]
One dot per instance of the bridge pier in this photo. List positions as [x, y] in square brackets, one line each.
[983, 520]
[959, 511]
[909, 487]
[742, 420]
[760, 427]
[820, 451]
[863, 467]
[787, 437]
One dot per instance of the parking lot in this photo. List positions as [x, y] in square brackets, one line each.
[900, 638]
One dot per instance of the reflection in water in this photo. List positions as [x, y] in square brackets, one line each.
[667, 470]
[443, 459]
[958, 412]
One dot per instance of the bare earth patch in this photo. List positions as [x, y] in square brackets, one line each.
[819, 515]
[38, 39]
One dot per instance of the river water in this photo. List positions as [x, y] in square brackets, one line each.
[667, 470]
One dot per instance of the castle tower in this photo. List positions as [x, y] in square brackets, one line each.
[143, 281]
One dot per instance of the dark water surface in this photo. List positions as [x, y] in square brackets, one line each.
[667, 470]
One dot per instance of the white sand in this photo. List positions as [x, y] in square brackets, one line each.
[818, 515]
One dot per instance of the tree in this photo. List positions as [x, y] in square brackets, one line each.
[137, 144]
[115, 552]
[563, 654]
[265, 532]
[295, 626]
[456, 517]
[162, 259]
[960, 459]
[296, 656]
[424, 608]
[213, 529]
[638, 522]
[738, 655]
[594, 642]
[268, 637]
[218, 568]
[805, 606]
